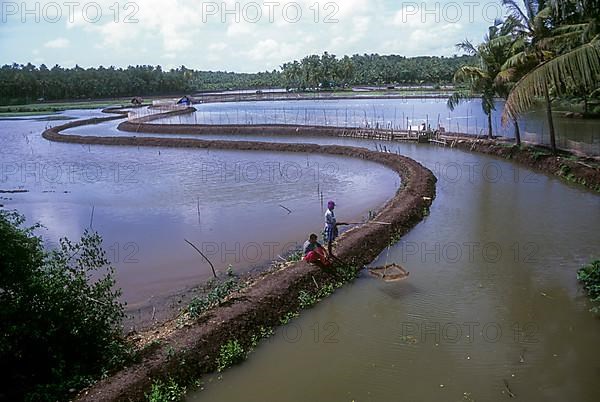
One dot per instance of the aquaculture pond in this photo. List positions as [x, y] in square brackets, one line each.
[244, 209]
[491, 306]
[468, 117]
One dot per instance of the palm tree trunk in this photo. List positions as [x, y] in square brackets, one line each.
[550, 121]
[517, 132]
[490, 132]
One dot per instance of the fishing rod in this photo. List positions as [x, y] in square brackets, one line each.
[363, 223]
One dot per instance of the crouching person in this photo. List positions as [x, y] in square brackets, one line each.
[315, 253]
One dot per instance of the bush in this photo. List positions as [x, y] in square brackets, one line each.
[590, 276]
[60, 317]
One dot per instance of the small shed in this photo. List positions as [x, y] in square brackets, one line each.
[137, 101]
[186, 100]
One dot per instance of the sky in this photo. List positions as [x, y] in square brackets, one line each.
[241, 36]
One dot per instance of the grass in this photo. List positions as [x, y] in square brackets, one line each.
[219, 290]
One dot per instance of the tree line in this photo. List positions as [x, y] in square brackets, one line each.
[28, 83]
[327, 71]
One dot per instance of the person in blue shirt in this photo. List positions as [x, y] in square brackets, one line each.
[331, 224]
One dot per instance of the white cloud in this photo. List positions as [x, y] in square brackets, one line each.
[425, 41]
[58, 43]
[218, 46]
[178, 33]
[241, 29]
[270, 52]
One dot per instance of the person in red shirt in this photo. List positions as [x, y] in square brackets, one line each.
[315, 253]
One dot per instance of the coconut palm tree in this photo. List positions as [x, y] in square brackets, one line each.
[562, 44]
[483, 78]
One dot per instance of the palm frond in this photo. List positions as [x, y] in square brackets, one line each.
[566, 40]
[543, 14]
[515, 60]
[501, 41]
[582, 65]
[569, 28]
[515, 11]
[469, 73]
[457, 97]
[467, 47]
[505, 76]
[509, 26]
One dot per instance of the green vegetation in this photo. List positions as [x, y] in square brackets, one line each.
[295, 256]
[24, 114]
[23, 84]
[61, 329]
[539, 153]
[218, 291]
[231, 354]
[46, 108]
[327, 71]
[589, 275]
[307, 299]
[263, 333]
[288, 317]
[543, 49]
[484, 80]
[168, 391]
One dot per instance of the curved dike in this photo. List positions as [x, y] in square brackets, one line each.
[274, 295]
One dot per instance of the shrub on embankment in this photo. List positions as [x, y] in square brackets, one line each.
[589, 275]
[60, 329]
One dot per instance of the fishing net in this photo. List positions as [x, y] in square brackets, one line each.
[389, 273]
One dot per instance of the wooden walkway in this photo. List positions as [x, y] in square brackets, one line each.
[396, 135]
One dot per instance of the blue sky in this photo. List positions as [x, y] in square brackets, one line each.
[244, 36]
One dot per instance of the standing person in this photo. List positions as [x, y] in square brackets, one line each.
[331, 230]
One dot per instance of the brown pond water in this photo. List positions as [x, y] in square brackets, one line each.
[491, 296]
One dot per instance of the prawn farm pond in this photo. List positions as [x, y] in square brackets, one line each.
[491, 309]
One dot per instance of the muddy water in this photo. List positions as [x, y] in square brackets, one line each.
[492, 296]
[146, 202]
